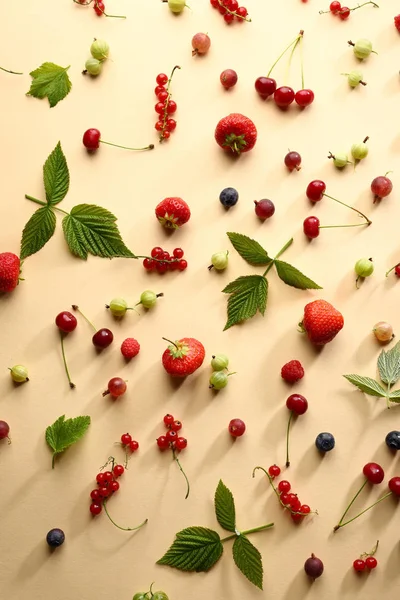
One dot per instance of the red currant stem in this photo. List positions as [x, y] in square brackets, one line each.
[247, 532]
[287, 438]
[12, 72]
[361, 5]
[105, 14]
[351, 504]
[283, 53]
[71, 385]
[110, 460]
[373, 551]
[75, 307]
[165, 115]
[157, 259]
[362, 512]
[149, 147]
[230, 12]
[32, 199]
[351, 208]
[183, 472]
[293, 512]
[119, 527]
[390, 270]
[281, 251]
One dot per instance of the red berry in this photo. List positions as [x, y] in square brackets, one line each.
[176, 426]
[178, 253]
[214, 3]
[374, 472]
[228, 78]
[344, 13]
[371, 562]
[274, 471]
[118, 470]
[159, 126]
[294, 502]
[170, 125]
[108, 476]
[285, 498]
[222, 9]
[305, 509]
[91, 139]
[168, 420]
[304, 98]
[94, 494]
[66, 321]
[381, 187]
[394, 486]
[104, 491]
[162, 79]
[397, 23]
[284, 96]
[162, 442]
[228, 17]
[359, 565]
[165, 256]
[149, 264]
[335, 7]
[100, 478]
[99, 7]
[241, 13]
[297, 404]
[133, 446]
[236, 427]
[157, 252]
[162, 96]
[126, 439]
[158, 89]
[171, 107]
[284, 486]
[264, 209]
[95, 508]
[293, 161]
[182, 264]
[296, 517]
[232, 5]
[102, 338]
[292, 371]
[116, 387]
[311, 227]
[397, 270]
[114, 486]
[161, 267]
[315, 190]
[166, 134]
[159, 108]
[171, 435]
[265, 86]
[181, 443]
[130, 348]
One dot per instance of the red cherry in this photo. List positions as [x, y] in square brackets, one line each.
[315, 190]
[91, 139]
[373, 472]
[265, 86]
[102, 338]
[304, 98]
[66, 321]
[284, 96]
[311, 227]
[394, 486]
[297, 404]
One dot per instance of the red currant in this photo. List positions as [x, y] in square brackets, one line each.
[344, 13]
[168, 420]
[161, 267]
[173, 265]
[162, 79]
[311, 227]
[214, 3]
[373, 472]
[157, 252]
[222, 9]
[359, 565]
[397, 270]
[166, 135]
[284, 96]
[159, 108]
[241, 13]
[315, 190]
[108, 476]
[305, 509]
[95, 495]
[334, 7]
[294, 502]
[232, 5]
[126, 439]
[171, 435]
[182, 264]
[178, 253]
[397, 22]
[149, 264]
[162, 442]
[118, 470]
[265, 86]
[304, 98]
[284, 486]
[66, 321]
[297, 404]
[228, 18]
[165, 256]
[100, 478]
[114, 486]
[95, 508]
[176, 426]
[171, 107]
[285, 498]
[296, 517]
[104, 491]
[159, 126]
[133, 446]
[158, 89]
[99, 7]
[236, 427]
[371, 562]
[181, 443]
[91, 139]
[170, 124]
[274, 471]
[162, 96]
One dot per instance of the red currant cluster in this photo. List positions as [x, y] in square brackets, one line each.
[128, 442]
[98, 7]
[165, 107]
[107, 485]
[288, 499]
[343, 12]
[230, 10]
[367, 560]
[162, 261]
[171, 440]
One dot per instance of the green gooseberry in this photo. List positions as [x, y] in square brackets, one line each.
[118, 307]
[360, 150]
[159, 596]
[93, 66]
[218, 380]
[362, 48]
[364, 267]
[100, 50]
[219, 260]
[219, 362]
[19, 374]
[340, 159]
[148, 298]
[140, 596]
[355, 78]
[176, 6]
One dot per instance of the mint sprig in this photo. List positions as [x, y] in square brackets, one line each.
[51, 81]
[199, 548]
[249, 294]
[64, 433]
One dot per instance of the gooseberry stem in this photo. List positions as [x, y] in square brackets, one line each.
[75, 307]
[341, 524]
[165, 114]
[119, 527]
[284, 52]
[176, 459]
[71, 385]
[149, 147]
[351, 207]
[12, 72]
[229, 12]
[287, 438]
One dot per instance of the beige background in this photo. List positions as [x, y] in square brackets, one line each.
[97, 560]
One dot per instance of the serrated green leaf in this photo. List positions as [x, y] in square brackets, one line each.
[63, 433]
[292, 276]
[225, 507]
[56, 176]
[367, 385]
[248, 560]
[194, 549]
[37, 232]
[249, 249]
[248, 295]
[394, 396]
[90, 229]
[389, 365]
[50, 80]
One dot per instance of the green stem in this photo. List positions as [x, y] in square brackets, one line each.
[365, 4]
[362, 512]
[53, 460]
[12, 72]
[351, 504]
[339, 226]
[254, 530]
[165, 115]
[286, 79]
[387, 396]
[287, 438]
[302, 63]
[149, 147]
[351, 208]
[36, 201]
[71, 385]
[106, 15]
[287, 507]
[75, 307]
[119, 527]
[283, 53]
[281, 251]
[390, 270]
[372, 552]
[183, 473]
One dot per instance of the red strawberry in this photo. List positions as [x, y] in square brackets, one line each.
[321, 321]
[292, 371]
[10, 268]
[236, 133]
[172, 212]
[183, 357]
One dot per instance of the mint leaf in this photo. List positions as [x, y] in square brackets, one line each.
[367, 385]
[50, 80]
[90, 229]
[194, 549]
[63, 433]
[248, 560]
[249, 249]
[292, 276]
[248, 295]
[394, 396]
[225, 507]
[56, 176]
[37, 232]
[389, 365]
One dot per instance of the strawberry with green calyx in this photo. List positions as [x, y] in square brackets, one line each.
[10, 269]
[321, 321]
[183, 357]
[173, 212]
[236, 133]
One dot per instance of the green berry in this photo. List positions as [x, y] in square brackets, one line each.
[218, 380]
[362, 48]
[176, 6]
[140, 596]
[118, 307]
[149, 298]
[364, 267]
[219, 260]
[359, 151]
[19, 374]
[340, 160]
[354, 78]
[100, 50]
[93, 66]
[159, 596]
[219, 362]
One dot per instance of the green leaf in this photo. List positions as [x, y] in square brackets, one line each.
[56, 176]
[249, 249]
[248, 560]
[37, 232]
[90, 229]
[63, 433]
[248, 295]
[50, 80]
[367, 385]
[389, 365]
[225, 507]
[292, 276]
[394, 396]
[194, 549]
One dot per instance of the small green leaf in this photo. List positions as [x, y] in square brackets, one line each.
[56, 176]
[248, 295]
[37, 232]
[225, 507]
[394, 396]
[389, 365]
[90, 229]
[50, 80]
[63, 433]
[194, 549]
[292, 276]
[248, 560]
[367, 385]
[249, 249]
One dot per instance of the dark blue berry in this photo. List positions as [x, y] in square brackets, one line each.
[393, 440]
[325, 442]
[228, 197]
[55, 538]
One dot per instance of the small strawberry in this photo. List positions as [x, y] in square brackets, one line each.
[10, 268]
[183, 357]
[292, 371]
[321, 321]
[236, 133]
[173, 212]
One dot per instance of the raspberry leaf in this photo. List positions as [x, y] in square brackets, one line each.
[37, 232]
[248, 295]
[63, 433]
[293, 277]
[56, 176]
[367, 385]
[225, 507]
[194, 549]
[389, 365]
[249, 249]
[394, 396]
[248, 560]
[90, 229]
[50, 81]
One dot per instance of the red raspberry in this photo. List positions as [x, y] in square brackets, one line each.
[292, 371]
[130, 348]
[397, 23]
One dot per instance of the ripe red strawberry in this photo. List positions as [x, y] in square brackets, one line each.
[397, 23]
[172, 212]
[183, 357]
[321, 321]
[10, 268]
[292, 371]
[236, 133]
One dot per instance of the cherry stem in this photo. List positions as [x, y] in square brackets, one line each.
[351, 504]
[119, 527]
[149, 147]
[287, 507]
[230, 12]
[392, 269]
[339, 525]
[12, 72]
[165, 115]
[291, 57]
[176, 459]
[351, 208]
[302, 63]
[281, 251]
[247, 532]
[284, 52]
[75, 307]
[340, 226]
[71, 385]
[287, 438]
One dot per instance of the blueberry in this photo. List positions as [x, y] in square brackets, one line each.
[393, 440]
[55, 538]
[325, 442]
[228, 197]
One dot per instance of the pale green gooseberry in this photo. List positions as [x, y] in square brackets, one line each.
[355, 78]
[359, 151]
[118, 307]
[362, 48]
[219, 362]
[219, 260]
[340, 159]
[93, 66]
[148, 298]
[100, 50]
[159, 596]
[383, 331]
[218, 380]
[19, 374]
[176, 6]
[364, 267]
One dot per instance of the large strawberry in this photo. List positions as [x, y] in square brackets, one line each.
[321, 321]
[236, 133]
[10, 268]
[172, 212]
[183, 357]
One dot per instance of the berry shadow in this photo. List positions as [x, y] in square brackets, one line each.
[35, 561]
[368, 349]
[217, 450]
[299, 587]
[392, 564]
[352, 582]
[310, 462]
